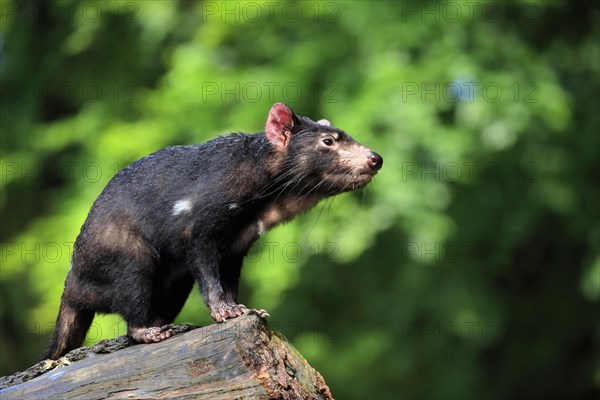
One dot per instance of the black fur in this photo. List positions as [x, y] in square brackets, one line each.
[190, 213]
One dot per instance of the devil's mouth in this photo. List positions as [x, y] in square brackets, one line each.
[351, 180]
[363, 178]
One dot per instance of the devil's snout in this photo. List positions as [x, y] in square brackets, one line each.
[375, 161]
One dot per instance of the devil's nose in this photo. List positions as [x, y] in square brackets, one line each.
[375, 161]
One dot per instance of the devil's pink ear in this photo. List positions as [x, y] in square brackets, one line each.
[279, 125]
[324, 122]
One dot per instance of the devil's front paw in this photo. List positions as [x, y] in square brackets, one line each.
[223, 311]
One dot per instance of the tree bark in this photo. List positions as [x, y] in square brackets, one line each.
[238, 359]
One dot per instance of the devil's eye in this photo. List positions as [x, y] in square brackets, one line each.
[328, 142]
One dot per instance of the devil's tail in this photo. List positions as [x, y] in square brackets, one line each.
[72, 325]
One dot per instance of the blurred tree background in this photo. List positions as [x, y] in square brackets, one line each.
[469, 268]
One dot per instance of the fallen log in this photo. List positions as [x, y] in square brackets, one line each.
[241, 358]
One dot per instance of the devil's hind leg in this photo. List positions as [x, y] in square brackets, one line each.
[172, 288]
[132, 294]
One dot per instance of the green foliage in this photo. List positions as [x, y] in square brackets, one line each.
[469, 268]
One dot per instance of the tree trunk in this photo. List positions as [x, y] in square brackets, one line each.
[238, 359]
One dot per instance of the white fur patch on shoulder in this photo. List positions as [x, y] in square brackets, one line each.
[233, 206]
[261, 227]
[181, 206]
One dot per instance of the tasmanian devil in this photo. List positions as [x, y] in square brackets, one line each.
[190, 213]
